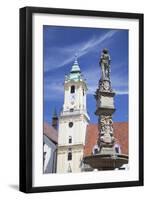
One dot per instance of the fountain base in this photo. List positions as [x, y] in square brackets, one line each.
[106, 161]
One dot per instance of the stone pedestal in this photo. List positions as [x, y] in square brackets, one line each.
[105, 108]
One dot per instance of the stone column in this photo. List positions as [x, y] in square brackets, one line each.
[105, 106]
[106, 158]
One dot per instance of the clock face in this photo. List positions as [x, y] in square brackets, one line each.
[72, 99]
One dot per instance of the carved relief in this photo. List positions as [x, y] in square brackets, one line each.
[106, 130]
[105, 86]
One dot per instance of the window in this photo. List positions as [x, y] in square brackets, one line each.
[83, 92]
[69, 154]
[72, 90]
[70, 140]
[70, 124]
[95, 149]
[71, 110]
[117, 148]
[69, 169]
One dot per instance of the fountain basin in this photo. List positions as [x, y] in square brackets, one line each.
[106, 161]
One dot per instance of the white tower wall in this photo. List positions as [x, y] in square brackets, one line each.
[72, 123]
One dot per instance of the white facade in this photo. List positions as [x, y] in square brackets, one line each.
[49, 155]
[72, 123]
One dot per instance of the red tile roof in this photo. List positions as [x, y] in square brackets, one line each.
[120, 133]
[50, 132]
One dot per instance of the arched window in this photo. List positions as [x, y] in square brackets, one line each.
[72, 90]
[69, 169]
[83, 92]
[70, 124]
[69, 157]
[95, 149]
[70, 140]
[117, 148]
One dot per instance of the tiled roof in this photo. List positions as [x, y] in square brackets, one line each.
[120, 133]
[91, 138]
[50, 132]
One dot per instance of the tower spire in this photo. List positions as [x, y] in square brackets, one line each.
[75, 68]
[55, 119]
[76, 59]
[55, 112]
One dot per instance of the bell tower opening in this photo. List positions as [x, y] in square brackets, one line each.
[72, 90]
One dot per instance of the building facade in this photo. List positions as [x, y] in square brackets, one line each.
[73, 122]
[50, 140]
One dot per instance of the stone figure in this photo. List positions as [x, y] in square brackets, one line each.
[106, 130]
[105, 64]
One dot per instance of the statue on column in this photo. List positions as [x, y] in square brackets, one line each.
[106, 157]
[105, 64]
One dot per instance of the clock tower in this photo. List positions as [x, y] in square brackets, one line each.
[73, 122]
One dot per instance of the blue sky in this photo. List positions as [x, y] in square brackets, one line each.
[60, 44]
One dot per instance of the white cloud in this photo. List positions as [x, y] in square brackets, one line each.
[121, 92]
[91, 44]
[60, 56]
[118, 80]
[53, 91]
